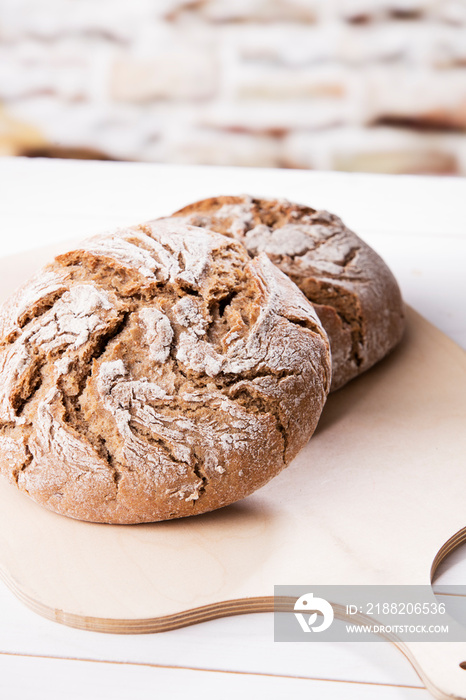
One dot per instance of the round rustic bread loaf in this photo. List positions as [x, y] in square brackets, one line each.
[353, 291]
[155, 373]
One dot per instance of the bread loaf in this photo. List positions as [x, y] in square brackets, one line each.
[352, 290]
[154, 373]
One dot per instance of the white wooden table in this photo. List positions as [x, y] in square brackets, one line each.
[419, 226]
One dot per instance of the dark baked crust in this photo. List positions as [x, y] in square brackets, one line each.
[156, 373]
[353, 291]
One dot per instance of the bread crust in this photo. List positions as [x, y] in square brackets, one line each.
[353, 291]
[154, 373]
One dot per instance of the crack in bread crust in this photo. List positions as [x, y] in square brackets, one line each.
[157, 372]
[351, 288]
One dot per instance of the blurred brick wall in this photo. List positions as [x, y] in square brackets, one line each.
[335, 84]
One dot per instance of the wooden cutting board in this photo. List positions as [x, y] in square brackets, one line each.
[377, 497]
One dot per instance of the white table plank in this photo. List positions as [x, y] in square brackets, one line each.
[244, 643]
[452, 571]
[430, 272]
[52, 196]
[24, 678]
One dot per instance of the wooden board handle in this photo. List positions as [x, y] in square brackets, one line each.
[440, 665]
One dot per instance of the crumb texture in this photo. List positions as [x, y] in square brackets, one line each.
[156, 372]
[351, 288]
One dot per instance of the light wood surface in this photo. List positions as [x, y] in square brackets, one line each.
[389, 449]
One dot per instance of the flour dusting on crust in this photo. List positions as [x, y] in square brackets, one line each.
[154, 373]
[352, 289]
